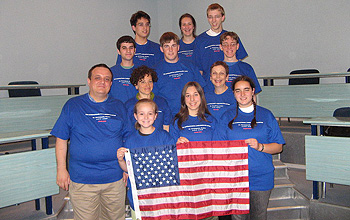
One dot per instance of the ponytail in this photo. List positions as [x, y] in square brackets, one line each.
[252, 123]
[231, 122]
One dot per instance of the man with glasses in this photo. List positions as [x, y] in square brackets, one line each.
[147, 52]
[207, 46]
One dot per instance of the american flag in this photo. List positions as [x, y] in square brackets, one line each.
[193, 180]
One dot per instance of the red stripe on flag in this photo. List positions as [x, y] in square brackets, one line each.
[211, 144]
[213, 169]
[194, 192]
[199, 216]
[203, 157]
[214, 180]
[197, 205]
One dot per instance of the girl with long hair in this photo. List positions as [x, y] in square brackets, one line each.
[187, 25]
[193, 122]
[259, 128]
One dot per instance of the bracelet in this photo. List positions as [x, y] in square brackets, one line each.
[263, 147]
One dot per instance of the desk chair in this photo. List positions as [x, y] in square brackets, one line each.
[339, 131]
[303, 81]
[24, 92]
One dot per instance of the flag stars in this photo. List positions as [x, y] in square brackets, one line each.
[155, 168]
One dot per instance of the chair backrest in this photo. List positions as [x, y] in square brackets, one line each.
[23, 92]
[303, 81]
[342, 112]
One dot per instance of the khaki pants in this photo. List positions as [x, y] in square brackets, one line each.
[98, 201]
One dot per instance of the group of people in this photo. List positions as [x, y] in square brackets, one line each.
[180, 90]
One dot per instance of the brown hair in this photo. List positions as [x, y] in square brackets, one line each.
[187, 15]
[125, 39]
[220, 63]
[138, 15]
[167, 37]
[252, 85]
[216, 6]
[142, 101]
[183, 114]
[98, 65]
[140, 72]
[229, 34]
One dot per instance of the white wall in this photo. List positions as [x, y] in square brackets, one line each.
[286, 34]
[58, 41]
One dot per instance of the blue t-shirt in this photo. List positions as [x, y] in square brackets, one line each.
[158, 138]
[96, 131]
[121, 87]
[195, 129]
[186, 51]
[266, 131]
[171, 79]
[238, 69]
[242, 69]
[218, 104]
[164, 113]
[147, 54]
[207, 51]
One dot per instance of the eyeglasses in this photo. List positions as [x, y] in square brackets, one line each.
[229, 45]
[215, 16]
[142, 24]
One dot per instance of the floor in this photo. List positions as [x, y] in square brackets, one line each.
[338, 195]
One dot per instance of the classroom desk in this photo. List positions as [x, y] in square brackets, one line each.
[327, 159]
[32, 174]
[269, 80]
[73, 89]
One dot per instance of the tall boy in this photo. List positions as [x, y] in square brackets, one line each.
[173, 73]
[148, 52]
[121, 87]
[207, 50]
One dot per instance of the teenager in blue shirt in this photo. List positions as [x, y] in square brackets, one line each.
[260, 130]
[146, 135]
[187, 25]
[143, 79]
[229, 44]
[193, 122]
[121, 87]
[221, 97]
[147, 51]
[207, 45]
[173, 73]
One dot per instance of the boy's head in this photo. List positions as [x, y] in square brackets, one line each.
[126, 47]
[170, 45]
[215, 16]
[229, 44]
[140, 23]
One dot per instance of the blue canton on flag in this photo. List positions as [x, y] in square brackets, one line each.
[155, 166]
